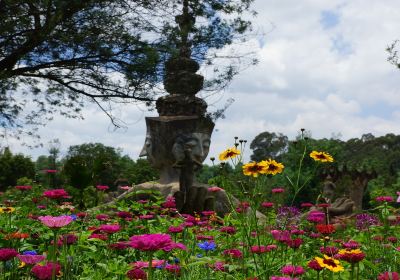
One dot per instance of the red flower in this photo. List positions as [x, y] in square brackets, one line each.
[136, 273]
[294, 243]
[325, 229]
[7, 254]
[313, 264]
[351, 256]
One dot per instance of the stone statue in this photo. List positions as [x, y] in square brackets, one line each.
[338, 207]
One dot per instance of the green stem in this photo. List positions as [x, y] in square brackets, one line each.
[54, 256]
[150, 266]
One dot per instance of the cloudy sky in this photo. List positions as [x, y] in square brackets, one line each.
[322, 66]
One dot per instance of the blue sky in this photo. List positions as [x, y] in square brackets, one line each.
[323, 67]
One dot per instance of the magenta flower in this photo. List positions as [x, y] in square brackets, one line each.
[102, 188]
[137, 273]
[31, 259]
[23, 188]
[316, 217]
[102, 217]
[7, 254]
[233, 253]
[214, 189]
[384, 199]
[292, 270]
[169, 203]
[110, 228]
[177, 229]
[151, 242]
[278, 190]
[50, 170]
[228, 229]
[389, 276]
[44, 272]
[267, 204]
[56, 194]
[55, 222]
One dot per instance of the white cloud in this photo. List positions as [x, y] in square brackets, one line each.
[303, 80]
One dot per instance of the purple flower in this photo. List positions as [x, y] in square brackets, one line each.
[364, 221]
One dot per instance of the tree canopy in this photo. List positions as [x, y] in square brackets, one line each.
[56, 55]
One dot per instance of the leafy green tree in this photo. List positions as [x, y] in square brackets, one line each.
[91, 164]
[13, 167]
[269, 145]
[137, 172]
[60, 54]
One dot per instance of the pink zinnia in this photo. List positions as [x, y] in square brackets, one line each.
[50, 170]
[98, 236]
[316, 217]
[55, 222]
[173, 268]
[177, 229]
[151, 242]
[110, 228]
[7, 254]
[125, 188]
[102, 217]
[102, 188]
[278, 190]
[267, 204]
[280, 235]
[142, 264]
[169, 203]
[31, 259]
[293, 270]
[136, 273]
[233, 253]
[214, 189]
[262, 249]
[44, 272]
[306, 205]
[389, 276]
[228, 229]
[384, 199]
[23, 188]
[56, 194]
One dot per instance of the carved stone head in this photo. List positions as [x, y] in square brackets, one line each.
[170, 139]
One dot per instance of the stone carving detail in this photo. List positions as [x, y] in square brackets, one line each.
[338, 207]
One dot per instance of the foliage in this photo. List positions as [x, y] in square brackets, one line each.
[13, 167]
[58, 55]
[92, 164]
[269, 145]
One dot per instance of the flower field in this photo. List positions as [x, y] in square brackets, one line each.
[44, 236]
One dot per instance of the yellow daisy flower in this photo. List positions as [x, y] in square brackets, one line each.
[7, 209]
[329, 263]
[254, 168]
[321, 156]
[272, 167]
[229, 153]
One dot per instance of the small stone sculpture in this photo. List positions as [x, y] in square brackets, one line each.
[342, 206]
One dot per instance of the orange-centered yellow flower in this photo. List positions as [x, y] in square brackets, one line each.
[254, 168]
[272, 167]
[329, 263]
[229, 153]
[321, 156]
